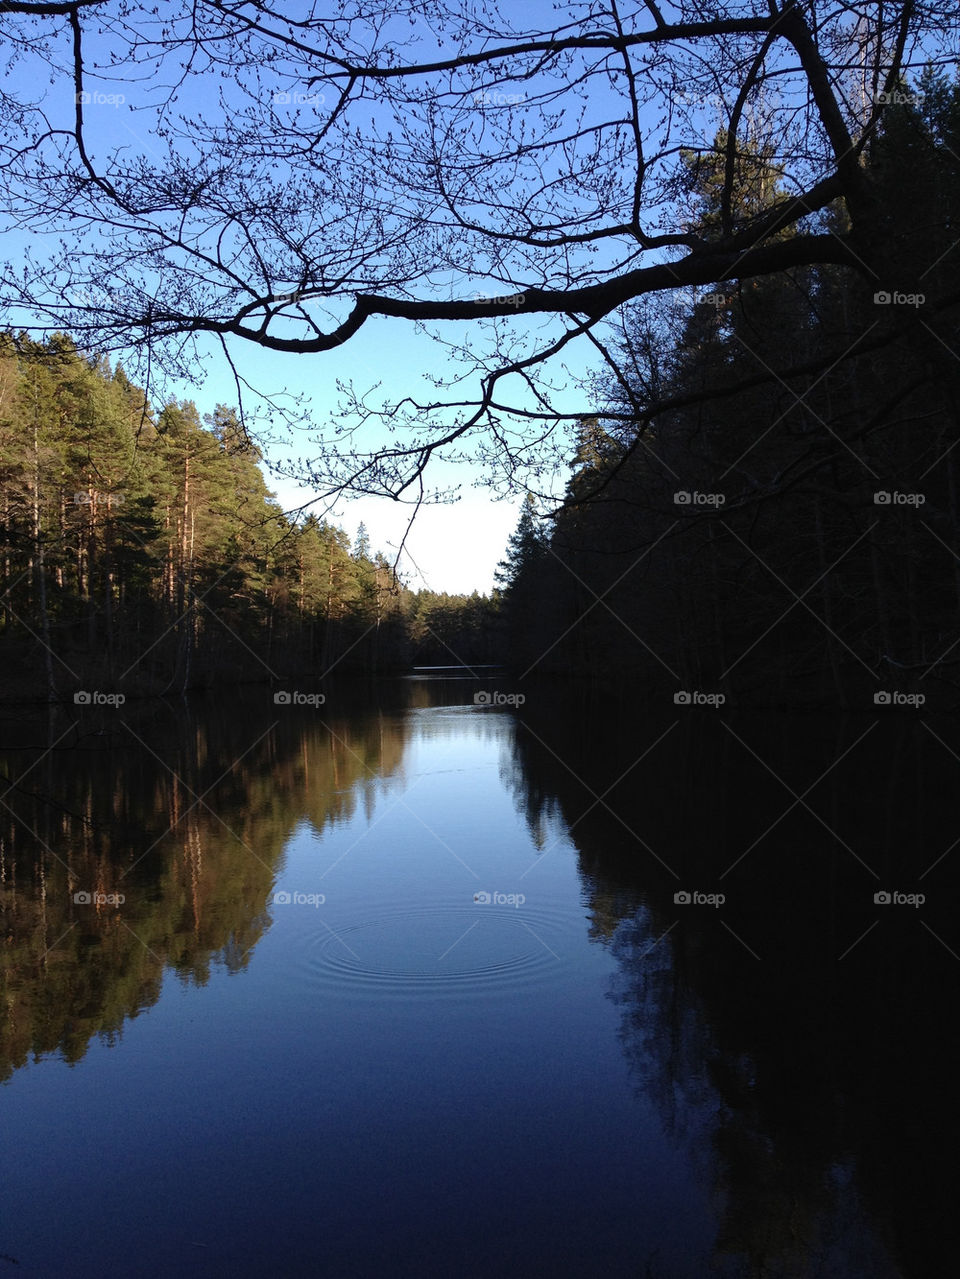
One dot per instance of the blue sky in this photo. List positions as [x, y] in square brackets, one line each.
[453, 546]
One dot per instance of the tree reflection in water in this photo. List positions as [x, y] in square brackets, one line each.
[792, 1037]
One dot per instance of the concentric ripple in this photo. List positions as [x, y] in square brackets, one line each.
[453, 950]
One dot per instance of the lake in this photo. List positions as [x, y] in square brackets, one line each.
[400, 981]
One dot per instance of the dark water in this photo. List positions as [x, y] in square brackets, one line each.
[498, 1045]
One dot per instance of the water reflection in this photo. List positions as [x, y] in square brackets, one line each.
[794, 1035]
[790, 1040]
[184, 813]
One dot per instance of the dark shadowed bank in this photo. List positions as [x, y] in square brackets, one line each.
[792, 540]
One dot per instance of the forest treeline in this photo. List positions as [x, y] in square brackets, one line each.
[787, 529]
[142, 552]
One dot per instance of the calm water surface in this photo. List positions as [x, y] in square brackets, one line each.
[399, 986]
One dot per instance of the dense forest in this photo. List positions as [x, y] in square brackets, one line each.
[791, 538]
[142, 551]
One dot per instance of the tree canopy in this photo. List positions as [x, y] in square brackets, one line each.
[228, 172]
